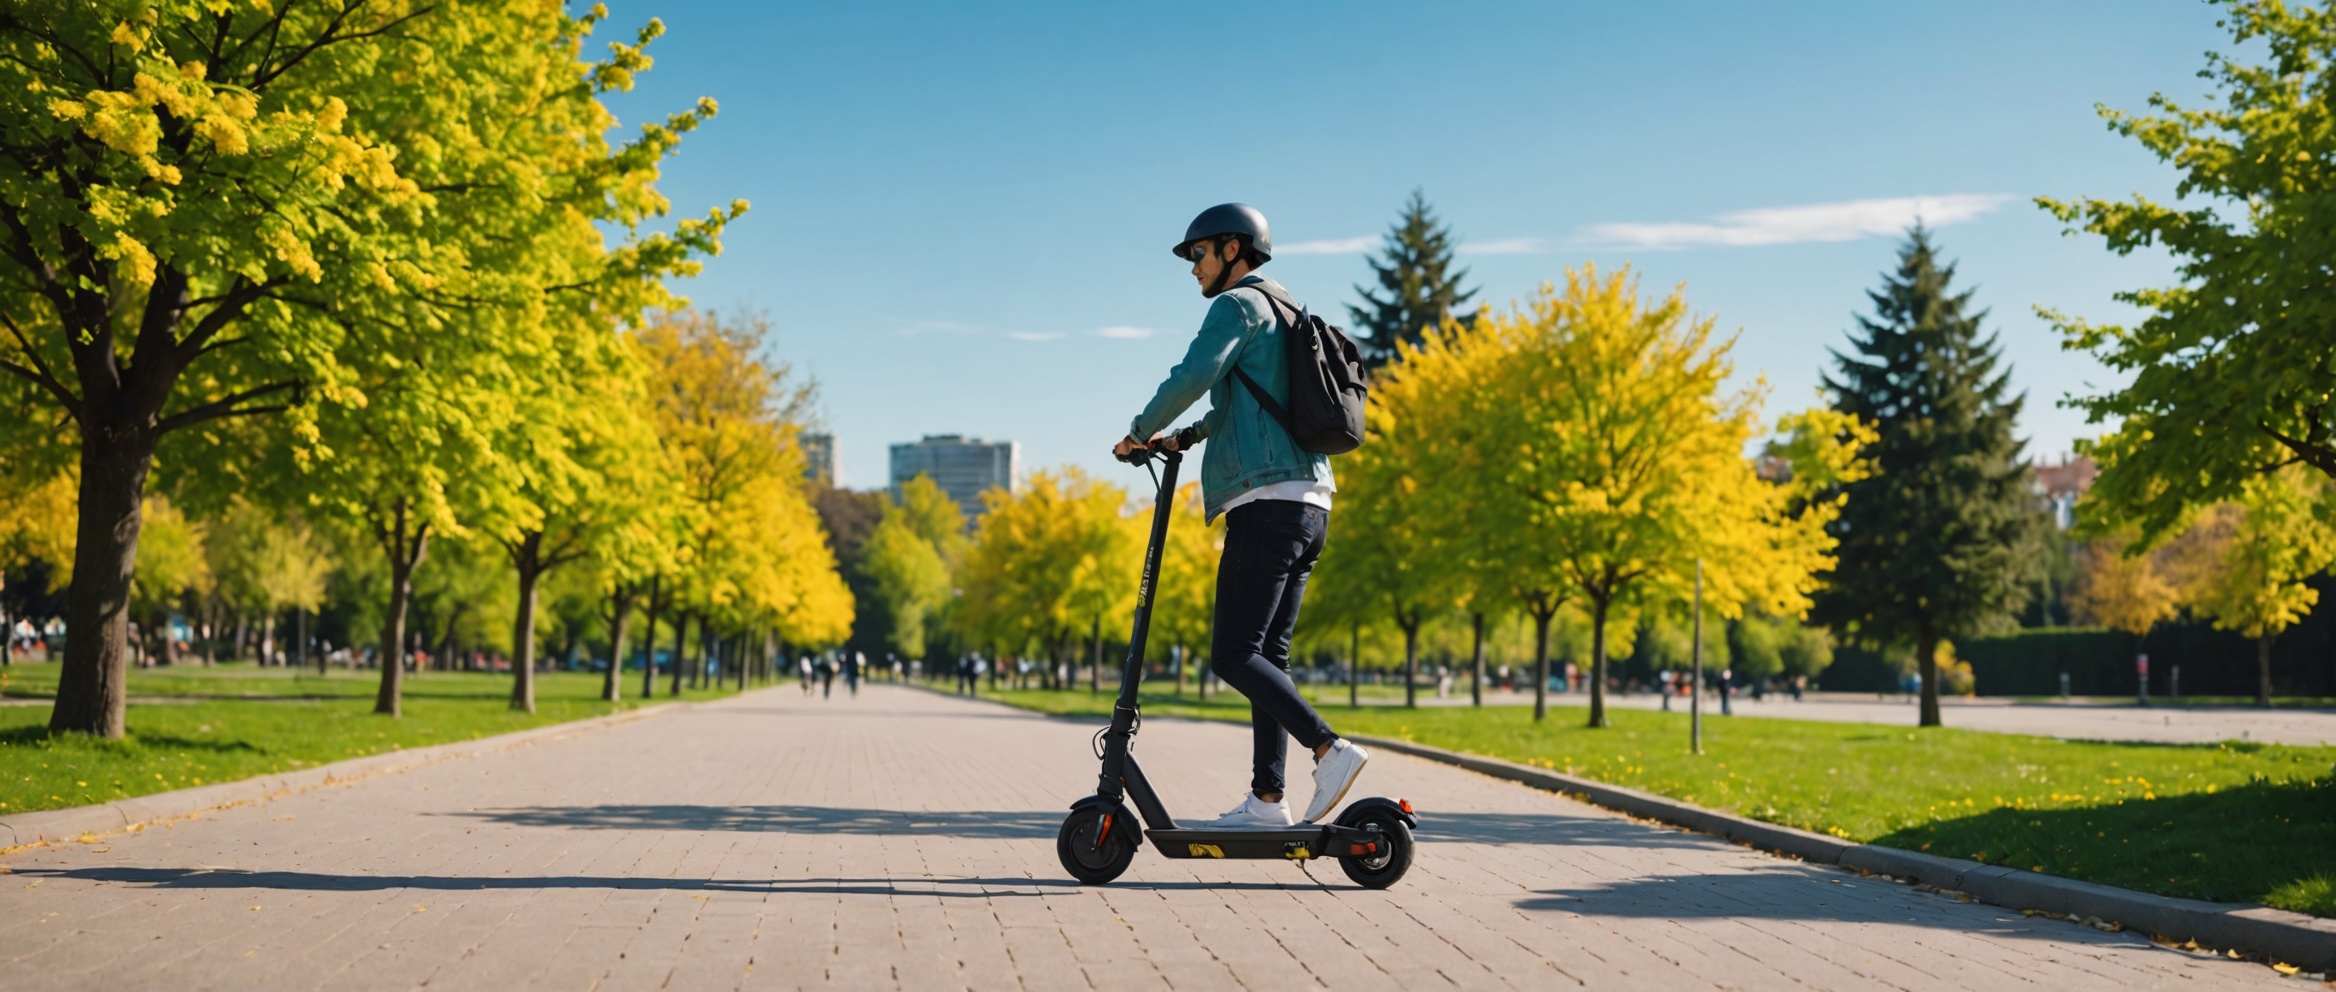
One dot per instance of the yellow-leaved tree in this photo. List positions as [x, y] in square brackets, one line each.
[1610, 441]
[1048, 563]
[1184, 602]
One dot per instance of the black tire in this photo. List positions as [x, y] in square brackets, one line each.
[1090, 862]
[1385, 868]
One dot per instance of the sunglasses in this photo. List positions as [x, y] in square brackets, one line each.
[1198, 250]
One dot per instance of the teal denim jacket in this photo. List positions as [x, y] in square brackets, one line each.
[1247, 448]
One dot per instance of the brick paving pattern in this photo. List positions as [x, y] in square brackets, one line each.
[905, 840]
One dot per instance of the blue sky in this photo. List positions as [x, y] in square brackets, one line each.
[961, 212]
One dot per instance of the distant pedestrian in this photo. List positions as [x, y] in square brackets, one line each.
[1663, 680]
[826, 668]
[805, 667]
[1727, 690]
[852, 673]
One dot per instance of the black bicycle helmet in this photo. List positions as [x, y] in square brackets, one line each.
[1229, 218]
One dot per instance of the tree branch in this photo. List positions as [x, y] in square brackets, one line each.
[72, 406]
[227, 407]
[46, 377]
[331, 36]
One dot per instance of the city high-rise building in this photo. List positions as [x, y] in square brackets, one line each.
[962, 466]
[819, 457]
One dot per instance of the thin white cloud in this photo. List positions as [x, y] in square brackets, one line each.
[1334, 246]
[1124, 333]
[1035, 335]
[1848, 220]
[1504, 246]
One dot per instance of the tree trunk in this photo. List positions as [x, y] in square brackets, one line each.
[1598, 608]
[116, 452]
[680, 649]
[649, 644]
[1541, 667]
[1926, 662]
[620, 611]
[708, 644]
[1095, 658]
[1354, 667]
[242, 634]
[1476, 653]
[404, 553]
[1411, 662]
[2263, 670]
[7, 626]
[320, 659]
[527, 558]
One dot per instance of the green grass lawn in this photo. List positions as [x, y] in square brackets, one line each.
[2234, 822]
[289, 720]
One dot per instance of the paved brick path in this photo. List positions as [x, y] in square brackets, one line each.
[905, 840]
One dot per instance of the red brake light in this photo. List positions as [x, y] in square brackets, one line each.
[1403, 804]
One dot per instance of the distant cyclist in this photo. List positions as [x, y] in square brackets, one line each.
[1274, 495]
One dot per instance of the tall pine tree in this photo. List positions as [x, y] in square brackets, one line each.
[1944, 540]
[1417, 285]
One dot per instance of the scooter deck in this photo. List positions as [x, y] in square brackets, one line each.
[1298, 843]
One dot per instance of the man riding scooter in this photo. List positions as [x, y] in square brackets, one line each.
[1275, 496]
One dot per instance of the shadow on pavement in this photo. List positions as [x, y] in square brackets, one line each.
[982, 824]
[1470, 828]
[1802, 893]
[1545, 828]
[302, 881]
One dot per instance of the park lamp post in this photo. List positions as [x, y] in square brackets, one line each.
[1695, 688]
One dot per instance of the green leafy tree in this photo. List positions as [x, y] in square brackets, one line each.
[2228, 369]
[1943, 541]
[912, 582]
[170, 567]
[1767, 645]
[1417, 286]
[2243, 564]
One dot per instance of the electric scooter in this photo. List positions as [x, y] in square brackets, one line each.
[1371, 839]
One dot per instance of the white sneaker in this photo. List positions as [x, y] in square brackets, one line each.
[1253, 813]
[1333, 775]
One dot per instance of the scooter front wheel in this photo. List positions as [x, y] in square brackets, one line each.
[1095, 845]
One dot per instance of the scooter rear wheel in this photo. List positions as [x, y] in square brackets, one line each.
[1090, 855]
[1386, 867]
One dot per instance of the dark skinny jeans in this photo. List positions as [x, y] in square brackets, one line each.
[1270, 549]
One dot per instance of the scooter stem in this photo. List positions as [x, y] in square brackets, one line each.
[1123, 712]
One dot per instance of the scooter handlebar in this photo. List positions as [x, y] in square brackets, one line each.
[1143, 455]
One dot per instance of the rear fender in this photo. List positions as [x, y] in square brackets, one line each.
[1356, 809]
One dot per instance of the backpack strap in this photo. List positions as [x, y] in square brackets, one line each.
[1273, 408]
[1280, 416]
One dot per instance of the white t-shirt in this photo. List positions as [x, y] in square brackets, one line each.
[1306, 491]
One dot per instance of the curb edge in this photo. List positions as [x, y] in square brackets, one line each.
[2292, 938]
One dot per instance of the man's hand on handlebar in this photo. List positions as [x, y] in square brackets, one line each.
[1127, 447]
